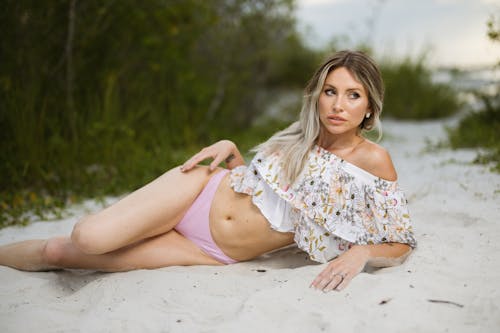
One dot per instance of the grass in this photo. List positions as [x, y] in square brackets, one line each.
[111, 176]
[480, 129]
[412, 94]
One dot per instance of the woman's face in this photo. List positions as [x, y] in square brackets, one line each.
[343, 103]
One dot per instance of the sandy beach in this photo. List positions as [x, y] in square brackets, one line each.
[448, 284]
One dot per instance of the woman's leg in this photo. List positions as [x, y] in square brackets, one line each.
[168, 249]
[152, 210]
[26, 255]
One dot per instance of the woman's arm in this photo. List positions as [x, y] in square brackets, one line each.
[221, 151]
[386, 254]
[340, 271]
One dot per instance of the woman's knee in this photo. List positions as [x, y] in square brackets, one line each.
[86, 236]
[53, 253]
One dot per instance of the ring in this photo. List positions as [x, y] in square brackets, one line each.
[342, 275]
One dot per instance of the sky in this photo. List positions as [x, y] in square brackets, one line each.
[452, 33]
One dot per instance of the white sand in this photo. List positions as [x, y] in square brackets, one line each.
[455, 208]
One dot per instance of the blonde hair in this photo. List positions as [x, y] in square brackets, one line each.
[295, 142]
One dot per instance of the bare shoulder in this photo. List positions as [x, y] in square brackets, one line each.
[376, 160]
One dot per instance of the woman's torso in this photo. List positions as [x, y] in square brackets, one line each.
[239, 228]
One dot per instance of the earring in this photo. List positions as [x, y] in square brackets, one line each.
[368, 115]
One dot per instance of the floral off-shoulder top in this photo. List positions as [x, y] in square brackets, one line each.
[331, 206]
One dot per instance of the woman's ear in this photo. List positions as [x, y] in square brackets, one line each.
[368, 113]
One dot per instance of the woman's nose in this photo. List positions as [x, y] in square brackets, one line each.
[337, 103]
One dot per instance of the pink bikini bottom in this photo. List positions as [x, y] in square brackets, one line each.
[195, 224]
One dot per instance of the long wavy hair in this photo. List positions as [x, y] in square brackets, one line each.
[295, 141]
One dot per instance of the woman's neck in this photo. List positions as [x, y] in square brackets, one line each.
[340, 142]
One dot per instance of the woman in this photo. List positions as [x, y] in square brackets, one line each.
[318, 183]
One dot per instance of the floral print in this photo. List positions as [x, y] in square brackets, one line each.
[331, 206]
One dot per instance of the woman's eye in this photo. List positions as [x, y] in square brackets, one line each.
[354, 95]
[329, 92]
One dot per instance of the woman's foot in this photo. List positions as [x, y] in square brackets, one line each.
[29, 255]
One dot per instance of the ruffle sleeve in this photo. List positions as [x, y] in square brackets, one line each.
[387, 217]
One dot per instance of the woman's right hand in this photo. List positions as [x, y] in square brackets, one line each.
[220, 151]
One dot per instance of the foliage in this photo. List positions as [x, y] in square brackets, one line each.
[482, 128]
[493, 28]
[98, 97]
[411, 93]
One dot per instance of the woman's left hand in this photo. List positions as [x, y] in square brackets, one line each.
[340, 271]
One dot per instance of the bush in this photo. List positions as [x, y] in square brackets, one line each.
[480, 129]
[133, 90]
[411, 93]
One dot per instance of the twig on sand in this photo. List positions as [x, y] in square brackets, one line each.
[384, 301]
[445, 302]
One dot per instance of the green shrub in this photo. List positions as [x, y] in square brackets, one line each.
[411, 93]
[137, 88]
[480, 129]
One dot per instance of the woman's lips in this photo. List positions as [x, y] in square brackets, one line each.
[336, 119]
